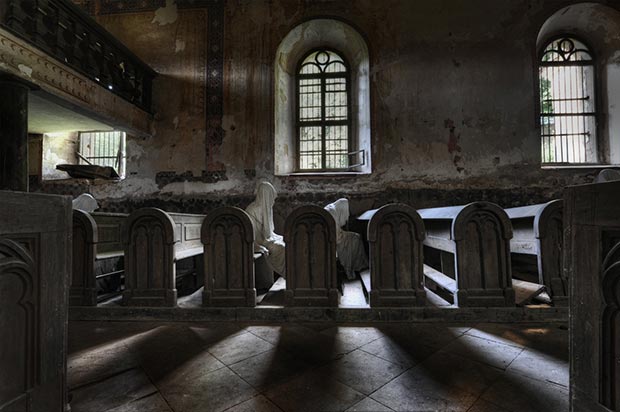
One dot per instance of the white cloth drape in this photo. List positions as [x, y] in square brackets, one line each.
[349, 245]
[261, 214]
[85, 202]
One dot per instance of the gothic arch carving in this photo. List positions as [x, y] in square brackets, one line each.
[18, 321]
[149, 258]
[310, 237]
[395, 236]
[228, 239]
[610, 324]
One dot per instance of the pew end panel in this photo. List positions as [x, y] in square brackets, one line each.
[228, 239]
[311, 276]
[395, 236]
[35, 276]
[477, 236]
[537, 246]
[592, 263]
[83, 290]
[149, 259]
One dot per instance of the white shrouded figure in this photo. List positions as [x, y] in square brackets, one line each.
[85, 202]
[349, 246]
[261, 214]
[607, 175]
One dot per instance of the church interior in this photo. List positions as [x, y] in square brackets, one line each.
[309, 205]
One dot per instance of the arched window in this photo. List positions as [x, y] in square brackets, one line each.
[322, 123]
[323, 112]
[567, 103]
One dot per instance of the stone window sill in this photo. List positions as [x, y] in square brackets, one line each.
[580, 166]
[329, 175]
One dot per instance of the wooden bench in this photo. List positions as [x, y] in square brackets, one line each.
[311, 278]
[536, 247]
[228, 239]
[97, 256]
[154, 242]
[395, 235]
[467, 254]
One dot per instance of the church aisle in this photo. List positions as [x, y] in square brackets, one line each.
[187, 367]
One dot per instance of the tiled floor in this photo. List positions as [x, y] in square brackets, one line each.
[195, 367]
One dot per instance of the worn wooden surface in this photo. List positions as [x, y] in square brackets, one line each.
[474, 245]
[154, 241]
[228, 238]
[538, 236]
[310, 237]
[395, 236]
[83, 291]
[35, 271]
[97, 250]
[592, 263]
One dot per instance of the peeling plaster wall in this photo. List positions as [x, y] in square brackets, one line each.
[452, 90]
[173, 42]
[453, 103]
[58, 148]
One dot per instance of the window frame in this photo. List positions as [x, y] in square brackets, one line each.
[83, 159]
[601, 146]
[351, 146]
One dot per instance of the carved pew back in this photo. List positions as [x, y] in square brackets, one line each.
[592, 263]
[474, 242]
[310, 237]
[395, 236]
[154, 241]
[228, 239]
[35, 266]
[538, 233]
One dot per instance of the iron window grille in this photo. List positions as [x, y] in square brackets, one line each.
[103, 149]
[324, 113]
[567, 103]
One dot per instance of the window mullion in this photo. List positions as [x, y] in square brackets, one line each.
[323, 126]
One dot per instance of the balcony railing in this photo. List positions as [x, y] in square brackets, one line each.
[65, 32]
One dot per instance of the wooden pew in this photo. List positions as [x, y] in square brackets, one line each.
[97, 255]
[395, 235]
[592, 263]
[228, 239]
[536, 247]
[471, 249]
[311, 278]
[35, 271]
[154, 241]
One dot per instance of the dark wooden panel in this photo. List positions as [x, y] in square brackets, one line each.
[35, 272]
[592, 263]
[228, 238]
[149, 259]
[395, 235]
[83, 291]
[310, 237]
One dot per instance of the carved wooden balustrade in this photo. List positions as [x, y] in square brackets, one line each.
[64, 31]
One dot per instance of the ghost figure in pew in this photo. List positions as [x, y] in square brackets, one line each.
[349, 246]
[607, 175]
[85, 202]
[261, 215]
